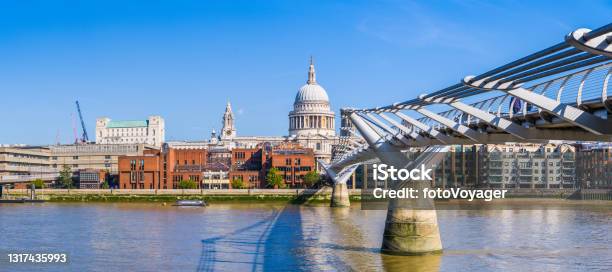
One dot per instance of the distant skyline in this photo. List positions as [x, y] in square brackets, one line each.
[184, 60]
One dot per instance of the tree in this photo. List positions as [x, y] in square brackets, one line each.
[104, 185]
[238, 183]
[188, 184]
[274, 179]
[65, 178]
[38, 183]
[311, 178]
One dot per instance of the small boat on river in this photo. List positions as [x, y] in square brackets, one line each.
[193, 203]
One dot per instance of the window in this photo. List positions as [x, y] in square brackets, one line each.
[141, 164]
[107, 157]
[75, 157]
[75, 165]
[287, 161]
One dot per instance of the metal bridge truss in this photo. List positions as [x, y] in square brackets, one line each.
[559, 93]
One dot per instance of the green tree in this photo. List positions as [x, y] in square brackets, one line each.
[38, 183]
[311, 178]
[65, 178]
[238, 183]
[188, 184]
[104, 185]
[274, 179]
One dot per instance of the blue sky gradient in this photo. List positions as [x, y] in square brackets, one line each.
[184, 59]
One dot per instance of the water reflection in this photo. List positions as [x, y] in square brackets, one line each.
[258, 237]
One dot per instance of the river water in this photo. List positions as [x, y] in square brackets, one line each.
[270, 237]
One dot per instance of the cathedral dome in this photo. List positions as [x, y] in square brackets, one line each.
[311, 114]
[311, 92]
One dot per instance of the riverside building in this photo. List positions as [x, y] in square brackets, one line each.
[510, 165]
[150, 131]
[93, 156]
[291, 160]
[23, 160]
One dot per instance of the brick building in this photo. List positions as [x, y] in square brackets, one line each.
[163, 169]
[166, 168]
[140, 172]
[293, 162]
[248, 164]
[252, 164]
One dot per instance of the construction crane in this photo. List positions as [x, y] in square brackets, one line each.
[85, 138]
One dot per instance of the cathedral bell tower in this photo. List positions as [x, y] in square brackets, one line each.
[228, 131]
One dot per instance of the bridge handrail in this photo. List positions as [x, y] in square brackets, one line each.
[556, 60]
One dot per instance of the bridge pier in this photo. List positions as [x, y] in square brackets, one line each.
[340, 195]
[411, 226]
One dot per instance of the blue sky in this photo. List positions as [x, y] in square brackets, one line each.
[184, 59]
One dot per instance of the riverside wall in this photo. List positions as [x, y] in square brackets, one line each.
[300, 195]
[109, 195]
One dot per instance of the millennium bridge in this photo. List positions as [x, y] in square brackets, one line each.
[559, 93]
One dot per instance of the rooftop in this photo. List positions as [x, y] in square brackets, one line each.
[127, 124]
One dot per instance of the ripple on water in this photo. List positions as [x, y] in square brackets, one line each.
[257, 237]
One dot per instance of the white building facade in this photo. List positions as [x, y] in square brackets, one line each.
[150, 131]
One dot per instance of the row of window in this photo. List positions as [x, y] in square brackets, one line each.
[535, 171]
[26, 156]
[538, 179]
[133, 165]
[528, 164]
[298, 161]
[296, 169]
[193, 162]
[106, 157]
[130, 140]
[107, 165]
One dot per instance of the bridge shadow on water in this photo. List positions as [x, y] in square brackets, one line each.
[279, 242]
[238, 249]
